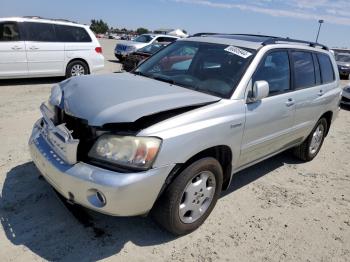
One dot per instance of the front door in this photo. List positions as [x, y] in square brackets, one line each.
[13, 60]
[269, 122]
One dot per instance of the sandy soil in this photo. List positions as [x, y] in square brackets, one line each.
[278, 210]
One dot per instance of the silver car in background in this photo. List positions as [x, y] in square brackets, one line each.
[124, 47]
[167, 138]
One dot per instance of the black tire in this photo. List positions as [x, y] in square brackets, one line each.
[303, 151]
[73, 64]
[166, 210]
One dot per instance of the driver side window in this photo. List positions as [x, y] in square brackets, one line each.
[275, 70]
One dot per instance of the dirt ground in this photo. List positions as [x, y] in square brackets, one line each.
[278, 210]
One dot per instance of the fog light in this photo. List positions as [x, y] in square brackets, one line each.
[96, 198]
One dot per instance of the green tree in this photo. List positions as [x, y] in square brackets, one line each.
[141, 31]
[99, 26]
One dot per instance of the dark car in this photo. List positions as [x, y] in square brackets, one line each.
[133, 59]
[343, 62]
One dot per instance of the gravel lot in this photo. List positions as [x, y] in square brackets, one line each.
[278, 210]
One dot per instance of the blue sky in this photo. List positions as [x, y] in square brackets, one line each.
[293, 18]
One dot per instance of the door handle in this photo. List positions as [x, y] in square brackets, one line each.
[16, 47]
[290, 102]
[33, 48]
[321, 93]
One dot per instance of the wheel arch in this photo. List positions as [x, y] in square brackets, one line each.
[328, 116]
[222, 153]
[80, 60]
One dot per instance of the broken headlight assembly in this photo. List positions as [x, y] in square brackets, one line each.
[55, 96]
[128, 151]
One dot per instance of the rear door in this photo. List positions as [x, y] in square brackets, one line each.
[45, 55]
[269, 122]
[309, 91]
[77, 42]
[13, 60]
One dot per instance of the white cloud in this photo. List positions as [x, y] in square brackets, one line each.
[332, 11]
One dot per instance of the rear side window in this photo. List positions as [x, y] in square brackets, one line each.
[72, 34]
[327, 73]
[317, 70]
[40, 32]
[275, 70]
[9, 32]
[304, 71]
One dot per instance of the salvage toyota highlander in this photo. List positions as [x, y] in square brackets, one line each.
[166, 138]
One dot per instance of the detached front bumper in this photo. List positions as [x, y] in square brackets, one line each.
[109, 192]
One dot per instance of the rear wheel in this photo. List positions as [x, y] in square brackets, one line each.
[76, 68]
[190, 198]
[312, 145]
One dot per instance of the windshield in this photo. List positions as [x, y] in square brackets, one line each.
[210, 68]
[343, 58]
[143, 38]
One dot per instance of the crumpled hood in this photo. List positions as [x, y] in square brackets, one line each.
[124, 97]
[347, 64]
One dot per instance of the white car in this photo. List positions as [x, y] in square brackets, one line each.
[36, 47]
[124, 48]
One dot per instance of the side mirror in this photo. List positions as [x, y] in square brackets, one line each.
[259, 91]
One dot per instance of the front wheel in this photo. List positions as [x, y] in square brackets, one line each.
[312, 145]
[76, 68]
[190, 198]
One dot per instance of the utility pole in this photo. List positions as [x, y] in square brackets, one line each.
[319, 28]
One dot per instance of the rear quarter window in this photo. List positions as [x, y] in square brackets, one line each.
[72, 34]
[327, 72]
[304, 70]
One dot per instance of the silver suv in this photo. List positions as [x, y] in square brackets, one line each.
[167, 138]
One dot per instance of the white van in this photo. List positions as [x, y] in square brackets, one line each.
[36, 47]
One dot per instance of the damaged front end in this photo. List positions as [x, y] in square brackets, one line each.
[88, 135]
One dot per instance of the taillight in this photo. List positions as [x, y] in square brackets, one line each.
[98, 50]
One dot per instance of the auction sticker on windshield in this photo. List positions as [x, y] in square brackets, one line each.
[238, 51]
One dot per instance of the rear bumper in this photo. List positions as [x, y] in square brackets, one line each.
[123, 194]
[97, 63]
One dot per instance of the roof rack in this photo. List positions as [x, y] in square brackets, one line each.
[271, 39]
[277, 40]
[203, 34]
[255, 35]
[50, 19]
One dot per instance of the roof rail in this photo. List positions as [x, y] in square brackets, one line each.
[50, 19]
[204, 34]
[277, 40]
[255, 35]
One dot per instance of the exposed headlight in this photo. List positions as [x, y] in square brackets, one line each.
[56, 95]
[130, 151]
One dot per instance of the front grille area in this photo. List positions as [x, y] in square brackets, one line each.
[80, 130]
